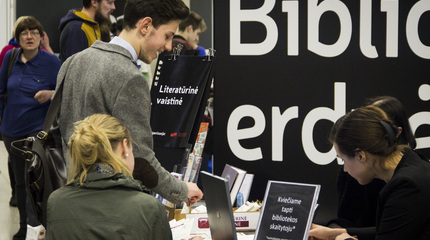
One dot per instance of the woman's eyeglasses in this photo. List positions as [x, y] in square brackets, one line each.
[34, 33]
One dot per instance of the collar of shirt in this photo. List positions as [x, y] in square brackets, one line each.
[121, 42]
[34, 61]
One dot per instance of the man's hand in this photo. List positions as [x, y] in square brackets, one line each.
[194, 193]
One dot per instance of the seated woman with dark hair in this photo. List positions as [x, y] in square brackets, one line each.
[368, 142]
[101, 199]
[357, 203]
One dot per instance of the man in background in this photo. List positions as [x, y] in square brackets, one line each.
[81, 28]
[187, 38]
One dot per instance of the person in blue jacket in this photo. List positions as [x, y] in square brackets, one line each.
[29, 89]
[81, 28]
[188, 35]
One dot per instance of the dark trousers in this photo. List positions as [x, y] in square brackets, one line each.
[19, 172]
[11, 176]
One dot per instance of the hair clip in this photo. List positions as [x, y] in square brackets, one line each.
[391, 131]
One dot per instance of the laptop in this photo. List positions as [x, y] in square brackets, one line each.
[219, 208]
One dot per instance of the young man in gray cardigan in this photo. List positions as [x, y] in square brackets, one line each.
[105, 79]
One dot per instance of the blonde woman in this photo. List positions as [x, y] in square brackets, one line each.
[101, 199]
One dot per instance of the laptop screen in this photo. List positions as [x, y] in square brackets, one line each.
[218, 204]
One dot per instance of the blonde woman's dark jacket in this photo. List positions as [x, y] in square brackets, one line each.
[106, 206]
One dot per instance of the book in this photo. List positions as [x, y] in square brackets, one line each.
[196, 169]
[189, 168]
[245, 188]
[288, 210]
[195, 158]
[235, 178]
[230, 174]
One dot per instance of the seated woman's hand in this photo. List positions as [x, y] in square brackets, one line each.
[343, 236]
[319, 232]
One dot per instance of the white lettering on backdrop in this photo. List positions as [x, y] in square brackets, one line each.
[279, 121]
[315, 11]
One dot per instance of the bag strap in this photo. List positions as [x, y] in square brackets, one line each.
[22, 148]
[13, 56]
[56, 101]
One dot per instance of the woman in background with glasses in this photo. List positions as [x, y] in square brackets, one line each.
[29, 88]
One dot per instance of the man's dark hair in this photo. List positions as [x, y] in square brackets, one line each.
[161, 11]
[194, 20]
[87, 3]
[30, 23]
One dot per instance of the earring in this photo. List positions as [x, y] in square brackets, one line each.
[126, 155]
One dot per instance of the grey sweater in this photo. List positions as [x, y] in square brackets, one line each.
[104, 79]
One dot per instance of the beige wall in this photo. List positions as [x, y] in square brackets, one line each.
[7, 19]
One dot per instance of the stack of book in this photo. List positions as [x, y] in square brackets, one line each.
[239, 183]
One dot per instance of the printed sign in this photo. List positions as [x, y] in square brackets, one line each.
[288, 211]
[177, 94]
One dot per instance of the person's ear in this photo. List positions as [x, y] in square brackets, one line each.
[95, 3]
[189, 28]
[361, 155]
[144, 25]
[400, 129]
[123, 145]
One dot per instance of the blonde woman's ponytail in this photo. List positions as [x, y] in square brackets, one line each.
[94, 140]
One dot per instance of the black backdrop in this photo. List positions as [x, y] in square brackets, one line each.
[272, 81]
[49, 13]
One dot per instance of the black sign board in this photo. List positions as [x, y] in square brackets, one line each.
[287, 211]
[178, 94]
